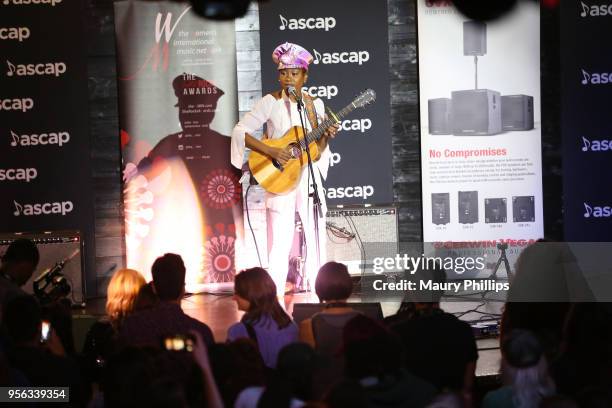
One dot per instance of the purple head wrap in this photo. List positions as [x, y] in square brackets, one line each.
[289, 55]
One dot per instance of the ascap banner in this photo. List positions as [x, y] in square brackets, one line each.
[586, 75]
[45, 173]
[178, 104]
[348, 40]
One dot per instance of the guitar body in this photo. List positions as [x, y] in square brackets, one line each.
[282, 179]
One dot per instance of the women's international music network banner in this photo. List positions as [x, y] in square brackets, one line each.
[177, 107]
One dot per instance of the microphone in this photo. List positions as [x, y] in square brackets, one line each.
[50, 272]
[293, 92]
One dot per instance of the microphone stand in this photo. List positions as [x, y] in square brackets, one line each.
[316, 199]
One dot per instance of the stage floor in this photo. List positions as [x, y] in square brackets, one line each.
[219, 311]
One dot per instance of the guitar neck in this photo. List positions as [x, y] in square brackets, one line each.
[316, 134]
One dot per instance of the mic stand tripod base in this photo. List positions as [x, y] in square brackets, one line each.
[493, 275]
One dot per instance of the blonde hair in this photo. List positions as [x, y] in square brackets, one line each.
[121, 293]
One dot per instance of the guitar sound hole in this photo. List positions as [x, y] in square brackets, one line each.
[295, 151]
[277, 164]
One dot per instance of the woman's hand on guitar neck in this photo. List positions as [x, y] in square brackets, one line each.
[331, 131]
[280, 155]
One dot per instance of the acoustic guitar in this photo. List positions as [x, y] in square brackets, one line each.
[281, 179]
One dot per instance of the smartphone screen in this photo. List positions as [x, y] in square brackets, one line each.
[179, 343]
[44, 332]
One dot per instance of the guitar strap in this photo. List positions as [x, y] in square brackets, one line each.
[311, 113]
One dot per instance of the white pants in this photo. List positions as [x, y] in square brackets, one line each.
[281, 229]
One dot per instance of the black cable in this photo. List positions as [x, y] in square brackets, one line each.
[246, 204]
[361, 245]
[353, 228]
[473, 310]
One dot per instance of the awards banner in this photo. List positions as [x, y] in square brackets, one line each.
[586, 77]
[45, 173]
[348, 40]
[177, 107]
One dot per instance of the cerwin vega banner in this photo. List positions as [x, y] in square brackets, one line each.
[177, 106]
[348, 40]
[586, 128]
[479, 85]
[45, 176]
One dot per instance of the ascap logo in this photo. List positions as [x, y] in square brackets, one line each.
[595, 78]
[356, 124]
[350, 192]
[22, 104]
[345, 57]
[596, 145]
[26, 174]
[334, 159]
[14, 33]
[43, 139]
[49, 68]
[595, 10]
[54, 208]
[51, 3]
[323, 91]
[597, 211]
[312, 23]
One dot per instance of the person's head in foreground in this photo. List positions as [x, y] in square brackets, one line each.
[525, 369]
[333, 283]
[121, 294]
[169, 277]
[20, 261]
[255, 294]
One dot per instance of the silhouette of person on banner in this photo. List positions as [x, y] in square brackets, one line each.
[205, 154]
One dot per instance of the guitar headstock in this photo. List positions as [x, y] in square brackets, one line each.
[365, 98]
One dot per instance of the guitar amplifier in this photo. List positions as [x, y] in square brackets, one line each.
[357, 235]
[54, 247]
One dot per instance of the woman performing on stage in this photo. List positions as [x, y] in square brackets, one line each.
[279, 112]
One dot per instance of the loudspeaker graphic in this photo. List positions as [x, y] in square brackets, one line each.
[440, 208]
[476, 112]
[495, 210]
[523, 209]
[468, 207]
[517, 112]
[439, 114]
[474, 38]
[54, 247]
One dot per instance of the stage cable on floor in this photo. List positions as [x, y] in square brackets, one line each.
[246, 204]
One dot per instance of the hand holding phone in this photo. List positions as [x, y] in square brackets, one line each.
[45, 331]
[50, 340]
